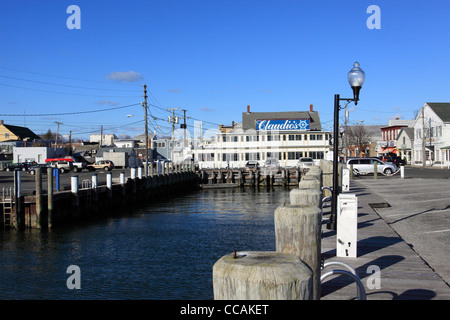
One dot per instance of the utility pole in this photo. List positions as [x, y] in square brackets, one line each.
[57, 130]
[183, 126]
[146, 131]
[173, 120]
[423, 139]
[101, 136]
[70, 142]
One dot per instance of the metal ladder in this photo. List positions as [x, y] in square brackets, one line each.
[7, 201]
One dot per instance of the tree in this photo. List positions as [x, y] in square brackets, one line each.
[359, 137]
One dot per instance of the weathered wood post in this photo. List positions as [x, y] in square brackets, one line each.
[375, 170]
[298, 231]
[39, 205]
[49, 197]
[261, 275]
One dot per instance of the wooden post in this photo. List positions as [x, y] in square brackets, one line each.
[50, 197]
[298, 231]
[39, 206]
[261, 275]
[375, 169]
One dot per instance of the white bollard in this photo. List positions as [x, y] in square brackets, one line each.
[133, 173]
[140, 172]
[402, 172]
[74, 184]
[94, 181]
[122, 178]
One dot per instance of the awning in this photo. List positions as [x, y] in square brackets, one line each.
[445, 148]
[387, 150]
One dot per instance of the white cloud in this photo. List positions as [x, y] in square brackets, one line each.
[207, 109]
[125, 76]
[111, 103]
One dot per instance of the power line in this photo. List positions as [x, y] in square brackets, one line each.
[67, 113]
[65, 85]
[65, 93]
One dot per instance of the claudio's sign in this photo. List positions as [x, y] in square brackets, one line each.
[282, 125]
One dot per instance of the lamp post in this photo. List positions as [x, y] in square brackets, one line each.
[356, 77]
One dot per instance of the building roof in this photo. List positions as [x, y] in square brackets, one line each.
[408, 131]
[442, 109]
[21, 132]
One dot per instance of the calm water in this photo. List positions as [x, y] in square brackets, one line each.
[164, 251]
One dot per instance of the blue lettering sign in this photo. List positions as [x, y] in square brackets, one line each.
[283, 125]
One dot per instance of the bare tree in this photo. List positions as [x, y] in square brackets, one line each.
[358, 136]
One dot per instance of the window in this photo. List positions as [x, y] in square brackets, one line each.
[6, 135]
[291, 137]
[312, 137]
[298, 137]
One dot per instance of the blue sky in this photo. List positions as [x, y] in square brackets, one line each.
[213, 58]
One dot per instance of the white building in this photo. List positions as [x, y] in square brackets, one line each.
[432, 133]
[286, 136]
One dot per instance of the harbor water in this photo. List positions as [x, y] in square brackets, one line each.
[164, 251]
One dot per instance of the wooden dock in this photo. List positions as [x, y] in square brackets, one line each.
[403, 274]
[217, 178]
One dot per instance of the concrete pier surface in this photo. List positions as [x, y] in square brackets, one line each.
[403, 239]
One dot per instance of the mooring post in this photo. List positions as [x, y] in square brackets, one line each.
[50, 197]
[74, 189]
[95, 186]
[18, 206]
[109, 184]
[39, 207]
[140, 172]
[298, 231]
[274, 276]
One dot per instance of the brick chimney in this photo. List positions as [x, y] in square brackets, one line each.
[248, 109]
[2, 122]
[311, 109]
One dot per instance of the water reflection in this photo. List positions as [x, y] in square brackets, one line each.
[164, 251]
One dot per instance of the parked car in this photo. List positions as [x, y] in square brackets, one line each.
[366, 165]
[105, 165]
[398, 161]
[63, 164]
[271, 166]
[32, 169]
[252, 166]
[305, 163]
[15, 166]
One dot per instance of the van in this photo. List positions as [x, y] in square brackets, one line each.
[366, 166]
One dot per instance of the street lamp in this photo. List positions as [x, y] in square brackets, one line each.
[356, 79]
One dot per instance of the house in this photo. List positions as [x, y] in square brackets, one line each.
[15, 133]
[405, 143]
[432, 134]
[121, 157]
[37, 154]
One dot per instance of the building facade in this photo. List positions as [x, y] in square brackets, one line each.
[432, 135]
[285, 136]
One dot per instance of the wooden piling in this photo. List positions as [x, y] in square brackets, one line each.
[298, 231]
[261, 275]
[49, 197]
[39, 205]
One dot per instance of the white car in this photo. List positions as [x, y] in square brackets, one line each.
[305, 162]
[366, 165]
